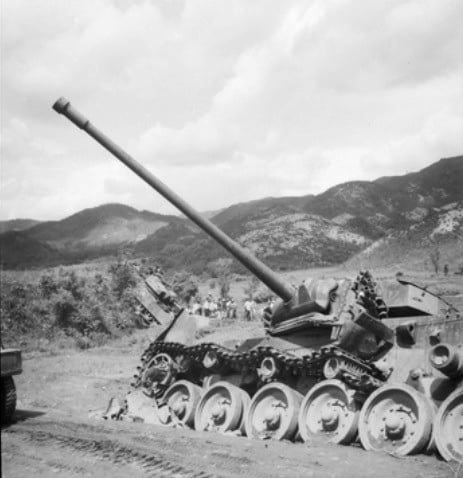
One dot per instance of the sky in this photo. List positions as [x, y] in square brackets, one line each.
[224, 101]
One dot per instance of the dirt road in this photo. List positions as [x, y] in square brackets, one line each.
[54, 436]
[57, 444]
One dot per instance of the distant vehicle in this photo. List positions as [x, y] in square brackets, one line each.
[11, 364]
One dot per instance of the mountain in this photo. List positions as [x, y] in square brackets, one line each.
[241, 213]
[382, 221]
[103, 226]
[17, 225]
[88, 234]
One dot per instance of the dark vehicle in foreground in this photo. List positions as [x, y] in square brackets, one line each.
[11, 364]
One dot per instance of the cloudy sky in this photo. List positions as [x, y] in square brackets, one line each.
[225, 101]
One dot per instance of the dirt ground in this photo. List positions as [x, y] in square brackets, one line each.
[54, 433]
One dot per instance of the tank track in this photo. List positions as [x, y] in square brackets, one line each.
[366, 293]
[360, 375]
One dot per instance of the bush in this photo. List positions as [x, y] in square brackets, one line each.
[123, 277]
[262, 294]
[85, 307]
[185, 286]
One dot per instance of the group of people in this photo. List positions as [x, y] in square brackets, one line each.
[226, 308]
[223, 308]
[250, 309]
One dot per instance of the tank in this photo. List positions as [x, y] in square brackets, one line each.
[157, 303]
[341, 360]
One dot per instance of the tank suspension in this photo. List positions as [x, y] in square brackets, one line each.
[270, 364]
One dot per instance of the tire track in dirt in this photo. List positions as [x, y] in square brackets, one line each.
[152, 464]
[61, 441]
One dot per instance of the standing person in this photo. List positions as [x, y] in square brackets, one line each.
[267, 312]
[248, 309]
[232, 308]
[224, 307]
[213, 308]
[207, 306]
[197, 309]
[253, 310]
[228, 308]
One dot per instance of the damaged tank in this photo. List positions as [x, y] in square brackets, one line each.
[346, 360]
[157, 303]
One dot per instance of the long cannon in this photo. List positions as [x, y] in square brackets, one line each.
[259, 269]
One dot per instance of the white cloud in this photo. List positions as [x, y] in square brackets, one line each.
[226, 101]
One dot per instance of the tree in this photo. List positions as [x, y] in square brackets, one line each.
[434, 256]
[123, 276]
[221, 269]
[252, 287]
[185, 285]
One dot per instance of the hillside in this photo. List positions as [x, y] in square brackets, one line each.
[88, 234]
[382, 221]
[110, 224]
[18, 249]
[439, 229]
[17, 225]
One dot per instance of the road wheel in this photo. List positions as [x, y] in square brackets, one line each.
[8, 399]
[448, 427]
[182, 398]
[273, 412]
[330, 411]
[396, 419]
[221, 408]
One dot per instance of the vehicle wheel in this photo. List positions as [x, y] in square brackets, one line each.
[182, 398]
[273, 413]
[221, 408]
[329, 410]
[397, 419]
[8, 399]
[448, 427]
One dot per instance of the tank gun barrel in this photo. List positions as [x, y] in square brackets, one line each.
[259, 269]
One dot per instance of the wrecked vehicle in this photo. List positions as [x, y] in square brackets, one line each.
[341, 359]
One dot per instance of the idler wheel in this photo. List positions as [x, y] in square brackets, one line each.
[396, 418]
[329, 410]
[448, 427]
[158, 370]
[221, 408]
[182, 397]
[273, 412]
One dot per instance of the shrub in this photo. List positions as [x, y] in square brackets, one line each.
[185, 286]
[123, 277]
[74, 306]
